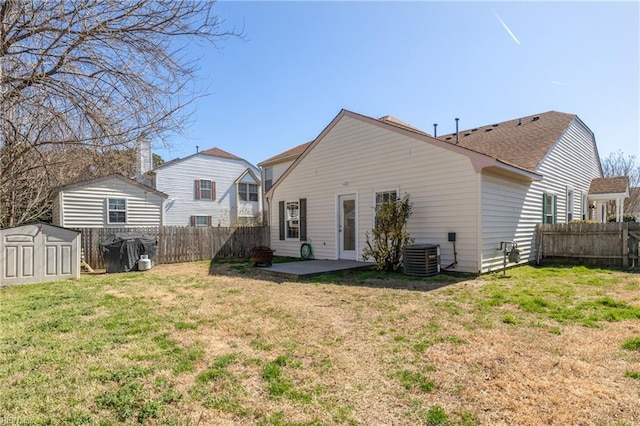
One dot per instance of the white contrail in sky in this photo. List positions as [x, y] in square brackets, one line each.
[557, 82]
[513, 36]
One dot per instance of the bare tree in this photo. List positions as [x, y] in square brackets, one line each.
[92, 74]
[621, 164]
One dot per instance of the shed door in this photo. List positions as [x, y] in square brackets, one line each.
[19, 252]
[347, 228]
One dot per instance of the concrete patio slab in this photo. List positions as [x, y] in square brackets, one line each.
[308, 268]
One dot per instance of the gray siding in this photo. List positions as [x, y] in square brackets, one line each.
[86, 207]
[177, 181]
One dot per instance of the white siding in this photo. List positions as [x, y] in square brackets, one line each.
[511, 210]
[177, 181]
[86, 207]
[355, 157]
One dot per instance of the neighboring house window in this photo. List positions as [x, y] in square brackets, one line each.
[200, 220]
[292, 222]
[569, 204]
[204, 189]
[268, 178]
[549, 207]
[384, 197]
[117, 210]
[248, 192]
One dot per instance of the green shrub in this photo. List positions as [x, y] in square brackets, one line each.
[389, 236]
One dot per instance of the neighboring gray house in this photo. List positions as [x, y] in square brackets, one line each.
[487, 185]
[210, 188]
[112, 201]
[38, 252]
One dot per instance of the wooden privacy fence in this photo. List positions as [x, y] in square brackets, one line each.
[598, 244]
[182, 244]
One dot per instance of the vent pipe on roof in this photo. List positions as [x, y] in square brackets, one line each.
[435, 130]
[457, 119]
[197, 149]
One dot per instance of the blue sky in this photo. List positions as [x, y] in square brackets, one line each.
[422, 62]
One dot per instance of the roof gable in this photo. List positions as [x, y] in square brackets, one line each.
[247, 173]
[217, 152]
[522, 142]
[478, 159]
[118, 176]
[213, 152]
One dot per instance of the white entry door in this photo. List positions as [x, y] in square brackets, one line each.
[347, 227]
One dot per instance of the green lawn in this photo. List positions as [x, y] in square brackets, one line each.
[192, 344]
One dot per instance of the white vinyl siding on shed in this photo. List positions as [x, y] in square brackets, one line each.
[358, 158]
[87, 206]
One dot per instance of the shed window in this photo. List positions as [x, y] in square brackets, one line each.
[117, 210]
[248, 192]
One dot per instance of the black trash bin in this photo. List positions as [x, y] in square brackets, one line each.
[122, 251]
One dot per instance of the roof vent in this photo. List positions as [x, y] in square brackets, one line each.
[467, 134]
[489, 129]
[473, 130]
[495, 125]
[519, 121]
[535, 118]
[449, 138]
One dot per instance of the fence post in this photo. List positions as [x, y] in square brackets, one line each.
[625, 245]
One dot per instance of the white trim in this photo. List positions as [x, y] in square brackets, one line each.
[338, 211]
[374, 202]
[126, 215]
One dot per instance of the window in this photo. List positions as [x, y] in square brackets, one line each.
[569, 204]
[268, 178]
[548, 208]
[204, 189]
[384, 197]
[248, 192]
[292, 220]
[117, 210]
[200, 220]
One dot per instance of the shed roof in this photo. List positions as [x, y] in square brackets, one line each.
[107, 177]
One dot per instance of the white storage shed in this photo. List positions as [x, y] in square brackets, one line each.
[38, 252]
